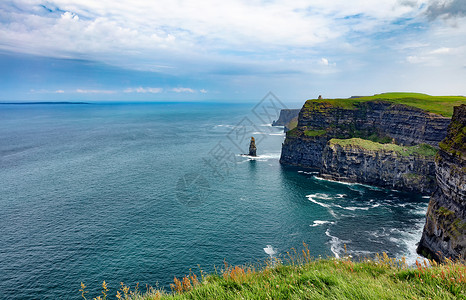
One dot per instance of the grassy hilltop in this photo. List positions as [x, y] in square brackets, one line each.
[442, 105]
[301, 277]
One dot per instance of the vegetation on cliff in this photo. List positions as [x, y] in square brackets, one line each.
[421, 149]
[455, 142]
[445, 230]
[301, 277]
[442, 105]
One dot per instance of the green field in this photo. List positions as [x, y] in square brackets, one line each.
[442, 105]
[422, 149]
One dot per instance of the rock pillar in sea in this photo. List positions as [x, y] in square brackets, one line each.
[252, 147]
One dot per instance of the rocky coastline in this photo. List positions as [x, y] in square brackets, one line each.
[381, 122]
[386, 166]
[444, 233]
[390, 144]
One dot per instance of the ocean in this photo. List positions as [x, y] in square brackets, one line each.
[143, 192]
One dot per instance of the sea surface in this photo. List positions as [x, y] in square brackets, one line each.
[145, 192]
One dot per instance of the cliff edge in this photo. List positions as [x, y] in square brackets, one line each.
[382, 122]
[444, 233]
[410, 169]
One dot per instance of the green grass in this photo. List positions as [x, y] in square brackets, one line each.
[421, 149]
[315, 132]
[293, 123]
[442, 105]
[455, 142]
[301, 277]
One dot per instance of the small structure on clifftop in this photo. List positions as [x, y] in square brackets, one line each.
[320, 97]
[252, 147]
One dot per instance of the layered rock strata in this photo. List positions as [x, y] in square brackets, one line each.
[444, 233]
[286, 115]
[318, 122]
[385, 165]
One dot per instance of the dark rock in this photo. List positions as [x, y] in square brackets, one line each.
[404, 124]
[444, 233]
[383, 168]
[252, 147]
[286, 115]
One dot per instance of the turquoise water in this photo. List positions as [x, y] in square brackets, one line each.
[144, 192]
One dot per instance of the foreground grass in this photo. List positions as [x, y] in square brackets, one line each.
[306, 278]
[442, 105]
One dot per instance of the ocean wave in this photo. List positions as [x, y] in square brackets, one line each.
[329, 206]
[280, 133]
[410, 238]
[336, 244]
[270, 250]
[309, 172]
[350, 183]
[319, 222]
[322, 196]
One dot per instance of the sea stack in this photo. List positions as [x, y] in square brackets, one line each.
[252, 147]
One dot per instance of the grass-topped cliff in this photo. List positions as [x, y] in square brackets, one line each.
[421, 149]
[442, 105]
[302, 277]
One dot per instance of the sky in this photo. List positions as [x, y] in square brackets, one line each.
[206, 50]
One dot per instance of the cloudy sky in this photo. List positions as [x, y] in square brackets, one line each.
[154, 50]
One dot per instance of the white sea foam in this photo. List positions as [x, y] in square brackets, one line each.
[313, 198]
[329, 206]
[411, 238]
[318, 222]
[270, 250]
[265, 156]
[353, 208]
[426, 197]
[258, 132]
[336, 245]
[280, 133]
[350, 183]
[262, 157]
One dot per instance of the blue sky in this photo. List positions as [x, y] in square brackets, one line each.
[205, 50]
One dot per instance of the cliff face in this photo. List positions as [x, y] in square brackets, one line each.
[445, 229]
[319, 122]
[384, 167]
[286, 115]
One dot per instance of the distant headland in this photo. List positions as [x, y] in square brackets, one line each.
[41, 102]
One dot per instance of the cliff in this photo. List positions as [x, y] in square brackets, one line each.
[445, 229]
[385, 118]
[389, 166]
[286, 115]
[288, 118]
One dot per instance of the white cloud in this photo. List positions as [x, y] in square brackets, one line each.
[183, 90]
[203, 91]
[152, 90]
[244, 41]
[82, 91]
[43, 91]
[130, 31]
[442, 50]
